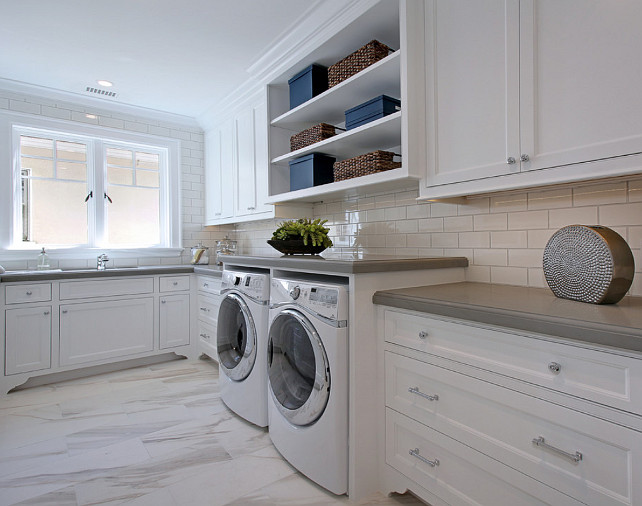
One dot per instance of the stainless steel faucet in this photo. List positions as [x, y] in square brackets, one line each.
[101, 262]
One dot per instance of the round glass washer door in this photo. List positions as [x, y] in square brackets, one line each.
[298, 369]
[235, 338]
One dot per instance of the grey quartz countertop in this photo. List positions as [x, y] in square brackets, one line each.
[347, 263]
[209, 270]
[11, 276]
[529, 309]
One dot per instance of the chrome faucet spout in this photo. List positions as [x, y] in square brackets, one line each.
[101, 262]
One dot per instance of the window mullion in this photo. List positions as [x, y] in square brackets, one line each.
[97, 222]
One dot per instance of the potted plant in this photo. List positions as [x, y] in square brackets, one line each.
[301, 236]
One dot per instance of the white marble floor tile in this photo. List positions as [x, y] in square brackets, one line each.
[156, 435]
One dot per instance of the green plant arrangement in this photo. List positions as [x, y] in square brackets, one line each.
[301, 236]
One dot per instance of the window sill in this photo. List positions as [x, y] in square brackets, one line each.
[88, 253]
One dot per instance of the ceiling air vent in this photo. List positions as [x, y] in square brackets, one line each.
[98, 91]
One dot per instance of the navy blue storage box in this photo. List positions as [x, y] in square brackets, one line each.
[311, 170]
[371, 110]
[308, 83]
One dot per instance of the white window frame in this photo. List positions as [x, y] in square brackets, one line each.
[13, 125]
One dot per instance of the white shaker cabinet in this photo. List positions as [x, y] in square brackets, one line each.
[219, 159]
[528, 92]
[174, 320]
[93, 331]
[28, 339]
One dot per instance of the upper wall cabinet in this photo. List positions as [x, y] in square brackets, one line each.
[398, 25]
[530, 92]
[236, 171]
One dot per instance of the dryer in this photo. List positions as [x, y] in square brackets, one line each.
[241, 343]
[308, 378]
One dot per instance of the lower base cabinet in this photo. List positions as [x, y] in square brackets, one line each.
[174, 320]
[94, 331]
[458, 434]
[28, 339]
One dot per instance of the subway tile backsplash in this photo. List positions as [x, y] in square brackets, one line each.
[503, 236]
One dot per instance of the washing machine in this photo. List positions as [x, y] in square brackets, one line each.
[307, 361]
[241, 343]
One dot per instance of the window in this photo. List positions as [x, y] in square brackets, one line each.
[87, 187]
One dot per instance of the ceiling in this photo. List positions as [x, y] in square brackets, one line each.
[177, 56]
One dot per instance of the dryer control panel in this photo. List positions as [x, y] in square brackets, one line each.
[326, 300]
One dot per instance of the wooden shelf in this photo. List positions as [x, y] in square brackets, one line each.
[383, 133]
[381, 78]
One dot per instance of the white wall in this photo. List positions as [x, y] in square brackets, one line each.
[503, 235]
[185, 130]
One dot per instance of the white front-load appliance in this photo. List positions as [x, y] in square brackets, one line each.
[241, 343]
[308, 378]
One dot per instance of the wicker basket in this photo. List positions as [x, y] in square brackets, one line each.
[311, 135]
[363, 57]
[362, 165]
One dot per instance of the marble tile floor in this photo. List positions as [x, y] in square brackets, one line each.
[156, 435]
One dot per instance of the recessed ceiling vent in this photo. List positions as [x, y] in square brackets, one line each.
[98, 91]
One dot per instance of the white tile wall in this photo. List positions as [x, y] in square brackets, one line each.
[192, 166]
[503, 236]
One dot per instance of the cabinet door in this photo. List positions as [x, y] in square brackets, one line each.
[472, 89]
[28, 339]
[94, 331]
[581, 70]
[245, 163]
[218, 173]
[174, 320]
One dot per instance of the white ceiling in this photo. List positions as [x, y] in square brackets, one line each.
[178, 56]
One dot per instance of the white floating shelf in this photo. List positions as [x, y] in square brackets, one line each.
[381, 78]
[383, 133]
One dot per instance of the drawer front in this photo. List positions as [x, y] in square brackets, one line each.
[208, 306]
[600, 376]
[460, 475]
[207, 334]
[209, 284]
[174, 283]
[37, 292]
[105, 287]
[503, 424]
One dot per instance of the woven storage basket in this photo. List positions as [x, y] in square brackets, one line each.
[311, 135]
[362, 165]
[363, 57]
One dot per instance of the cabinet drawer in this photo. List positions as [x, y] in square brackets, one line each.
[209, 284]
[105, 287]
[462, 475]
[40, 292]
[600, 376]
[502, 424]
[174, 283]
[207, 339]
[208, 306]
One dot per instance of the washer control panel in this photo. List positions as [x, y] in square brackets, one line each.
[255, 285]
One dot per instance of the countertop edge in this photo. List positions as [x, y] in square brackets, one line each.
[625, 338]
[16, 277]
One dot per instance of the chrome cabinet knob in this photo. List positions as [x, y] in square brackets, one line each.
[524, 158]
[554, 367]
[423, 334]
[29, 292]
[175, 283]
[510, 160]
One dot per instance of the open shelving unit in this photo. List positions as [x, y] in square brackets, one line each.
[385, 21]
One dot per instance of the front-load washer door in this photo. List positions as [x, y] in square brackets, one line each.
[235, 338]
[298, 369]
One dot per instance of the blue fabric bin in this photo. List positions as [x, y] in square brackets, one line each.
[371, 110]
[308, 83]
[311, 170]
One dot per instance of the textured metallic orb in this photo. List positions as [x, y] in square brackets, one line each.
[588, 264]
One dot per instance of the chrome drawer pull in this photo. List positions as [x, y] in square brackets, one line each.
[204, 309]
[415, 390]
[175, 283]
[46, 313]
[415, 453]
[554, 367]
[423, 334]
[540, 441]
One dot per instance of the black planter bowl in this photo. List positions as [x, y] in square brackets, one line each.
[295, 247]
